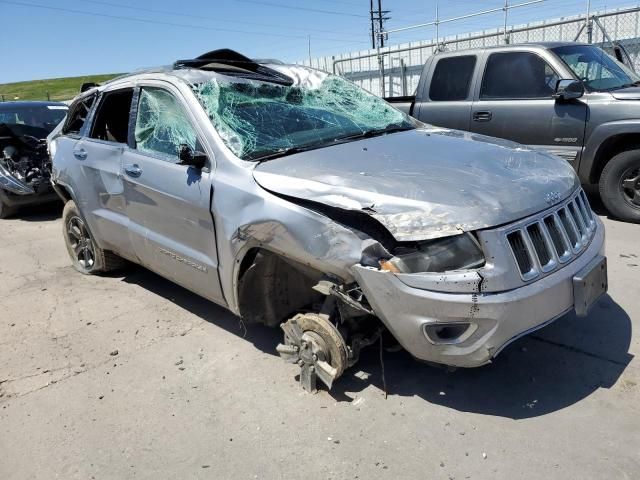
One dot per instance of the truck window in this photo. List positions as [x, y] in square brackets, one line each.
[518, 75]
[162, 125]
[112, 119]
[452, 79]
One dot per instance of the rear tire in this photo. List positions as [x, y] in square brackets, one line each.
[86, 257]
[620, 186]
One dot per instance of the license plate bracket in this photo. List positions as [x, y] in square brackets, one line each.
[589, 284]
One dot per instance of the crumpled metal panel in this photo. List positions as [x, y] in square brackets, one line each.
[426, 183]
[11, 184]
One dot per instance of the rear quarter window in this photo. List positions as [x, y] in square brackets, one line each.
[77, 116]
[452, 79]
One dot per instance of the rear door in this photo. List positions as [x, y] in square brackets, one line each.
[446, 97]
[168, 205]
[97, 154]
[515, 101]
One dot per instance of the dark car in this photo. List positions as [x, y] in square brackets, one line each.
[25, 167]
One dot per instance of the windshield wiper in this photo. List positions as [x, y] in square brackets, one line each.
[283, 152]
[374, 133]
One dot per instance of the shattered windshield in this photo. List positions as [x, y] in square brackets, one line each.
[258, 119]
[37, 121]
[597, 69]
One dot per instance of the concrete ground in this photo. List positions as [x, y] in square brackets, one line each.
[129, 376]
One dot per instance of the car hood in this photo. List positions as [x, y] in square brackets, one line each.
[425, 183]
[631, 93]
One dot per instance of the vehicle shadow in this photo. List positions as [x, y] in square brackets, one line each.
[39, 213]
[546, 371]
[595, 201]
[262, 337]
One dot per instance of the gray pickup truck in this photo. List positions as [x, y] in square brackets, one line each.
[572, 100]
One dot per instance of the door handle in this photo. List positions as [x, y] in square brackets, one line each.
[133, 170]
[80, 153]
[482, 116]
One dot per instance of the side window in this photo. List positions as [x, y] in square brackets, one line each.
[452, 79]
[77, 116]
[112, 119]
[162, 125]
[518, 75]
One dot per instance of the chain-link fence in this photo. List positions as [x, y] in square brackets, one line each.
[402, 64]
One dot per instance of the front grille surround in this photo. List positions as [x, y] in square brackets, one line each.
[552, 238]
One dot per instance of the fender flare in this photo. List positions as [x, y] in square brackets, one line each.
[597, 138]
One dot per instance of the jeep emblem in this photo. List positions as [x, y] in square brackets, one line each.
[552, 198]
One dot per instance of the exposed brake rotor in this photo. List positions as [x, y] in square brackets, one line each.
[312, 342]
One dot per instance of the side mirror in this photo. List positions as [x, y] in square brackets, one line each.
[188, 156]
[568, 90]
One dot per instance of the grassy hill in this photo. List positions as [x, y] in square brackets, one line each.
[54, 88]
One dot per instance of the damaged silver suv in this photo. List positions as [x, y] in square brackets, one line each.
[294, 198]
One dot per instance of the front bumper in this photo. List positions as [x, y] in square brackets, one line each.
[496, 318]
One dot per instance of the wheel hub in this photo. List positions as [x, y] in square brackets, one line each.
[80, 242]
[631, 186]
[309, 341]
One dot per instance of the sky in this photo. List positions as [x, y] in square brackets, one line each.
[59, 38]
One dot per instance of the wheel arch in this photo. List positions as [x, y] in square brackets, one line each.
[606, 142]
[64, 192]
[269, 287]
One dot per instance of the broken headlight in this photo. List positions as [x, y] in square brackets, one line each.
[461, 252]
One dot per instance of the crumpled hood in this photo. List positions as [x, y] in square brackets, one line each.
[425, 183]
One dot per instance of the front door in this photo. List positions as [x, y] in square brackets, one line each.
[168, 205]
[516, 102]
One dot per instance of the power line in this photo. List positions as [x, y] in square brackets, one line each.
[293, 7]
[200, 17]
[156, 22]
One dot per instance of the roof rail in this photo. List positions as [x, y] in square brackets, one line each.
[232, 63]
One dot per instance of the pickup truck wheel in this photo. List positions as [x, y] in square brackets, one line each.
[86, 257]
[620, 186]
[5, 210]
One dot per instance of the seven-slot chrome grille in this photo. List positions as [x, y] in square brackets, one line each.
[553, 238]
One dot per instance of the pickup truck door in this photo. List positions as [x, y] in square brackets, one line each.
[445, 95]
[168, 204]
[515, 101]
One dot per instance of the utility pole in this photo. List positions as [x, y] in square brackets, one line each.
[437, 23]
[506, 19]
[309, 48]
[380, 23]
[589, 23]
[373, 25]
[378, 36]
[378, 17]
